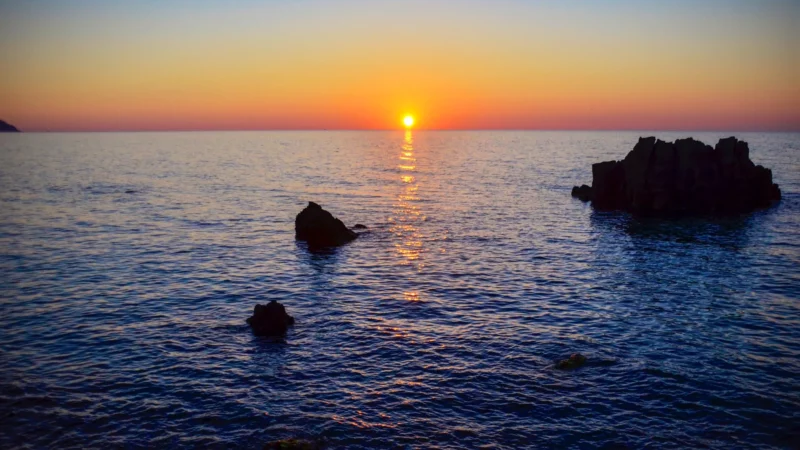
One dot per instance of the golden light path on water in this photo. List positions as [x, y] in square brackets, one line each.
[407, 214]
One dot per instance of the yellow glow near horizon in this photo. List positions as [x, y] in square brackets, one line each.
[478, 65]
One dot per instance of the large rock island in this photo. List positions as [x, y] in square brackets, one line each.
[686, 177]
[6, 127]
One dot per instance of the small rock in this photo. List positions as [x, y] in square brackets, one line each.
[575, 360]
[320, 229]
[292, 444]
[270, 320]
[359, 226]
[584, 193]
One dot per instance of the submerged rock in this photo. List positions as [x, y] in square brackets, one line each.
[686, 177]
[359, 226]
[270, 320]
[575, 360]
[292, 444]
[6, 127]
[320, 229]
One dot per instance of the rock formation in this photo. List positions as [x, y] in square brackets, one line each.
[6, 127]
[575, 360]
[686, 177]
[583, 192]
[270, 320]
[320, 229]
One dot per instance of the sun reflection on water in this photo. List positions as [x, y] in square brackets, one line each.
[407, 213]
[411, 296]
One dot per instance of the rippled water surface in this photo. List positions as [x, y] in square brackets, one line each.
[129, 263]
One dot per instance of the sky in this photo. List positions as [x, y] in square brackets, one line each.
[91, 65]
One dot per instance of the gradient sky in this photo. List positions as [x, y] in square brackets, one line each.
[357, 64]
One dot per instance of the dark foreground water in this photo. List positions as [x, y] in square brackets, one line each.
[129, 263]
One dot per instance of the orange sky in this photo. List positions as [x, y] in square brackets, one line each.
[311, 64]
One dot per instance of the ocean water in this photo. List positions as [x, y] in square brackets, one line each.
[130, 261]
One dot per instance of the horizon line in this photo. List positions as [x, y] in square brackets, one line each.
[191, 130]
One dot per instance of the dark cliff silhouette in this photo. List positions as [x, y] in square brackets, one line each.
[6, 127]
[686, 177]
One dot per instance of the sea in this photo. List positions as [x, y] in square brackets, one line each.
[129, 263]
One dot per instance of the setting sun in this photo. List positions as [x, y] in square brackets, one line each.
[408, 121]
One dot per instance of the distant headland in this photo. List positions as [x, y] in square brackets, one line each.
[6, 127]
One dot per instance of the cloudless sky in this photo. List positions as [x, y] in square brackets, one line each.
[358, 64]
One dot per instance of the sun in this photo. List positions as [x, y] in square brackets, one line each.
[408, 121]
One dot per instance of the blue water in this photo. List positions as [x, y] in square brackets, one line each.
[129, 263]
